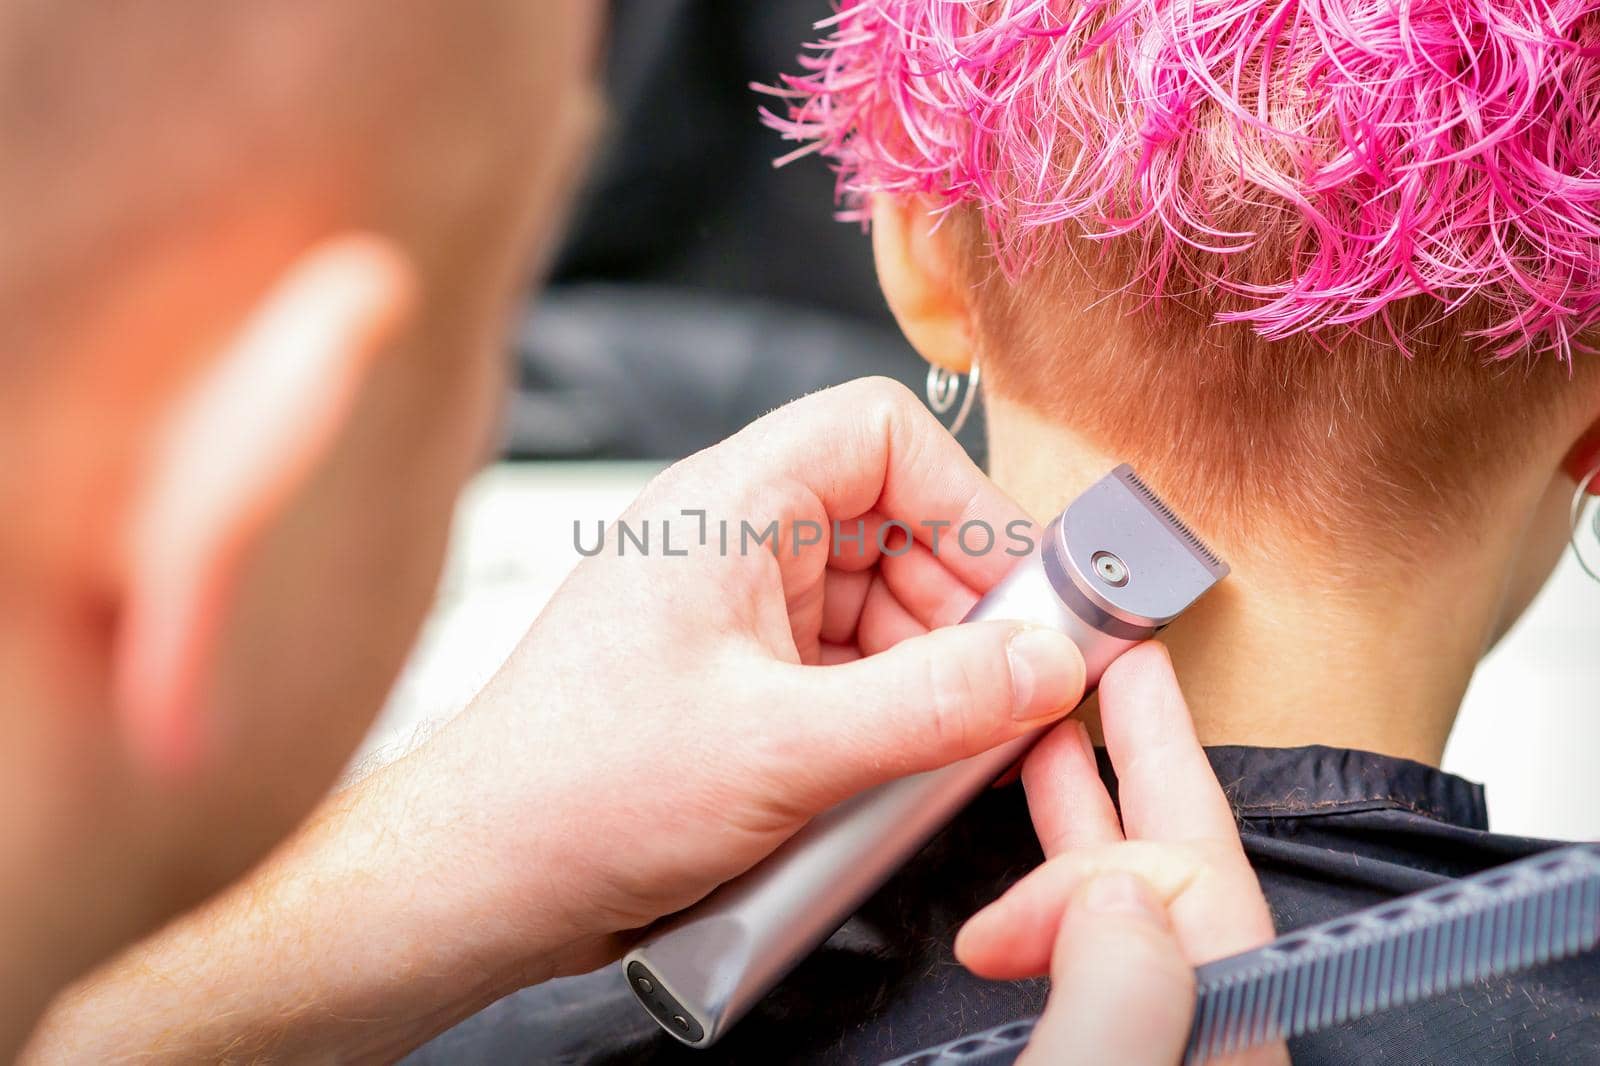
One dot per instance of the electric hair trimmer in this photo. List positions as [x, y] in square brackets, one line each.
[1110, 571]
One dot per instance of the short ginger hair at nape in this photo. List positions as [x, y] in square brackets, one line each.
[1386, 149]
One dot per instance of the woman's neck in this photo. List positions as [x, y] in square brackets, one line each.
[1282, 653]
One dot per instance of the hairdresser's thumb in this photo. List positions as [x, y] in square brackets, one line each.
[1121, 990]
[930, 701]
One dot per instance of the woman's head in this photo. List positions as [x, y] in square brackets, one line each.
[1334, 259]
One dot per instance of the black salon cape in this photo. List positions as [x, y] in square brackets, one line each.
[1328, 830]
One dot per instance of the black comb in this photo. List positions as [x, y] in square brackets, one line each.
[1513, 917]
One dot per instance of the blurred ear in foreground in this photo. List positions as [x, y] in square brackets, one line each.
[232, 453]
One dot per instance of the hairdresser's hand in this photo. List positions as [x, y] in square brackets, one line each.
[1123, 908]
[670, 719]
[665, 724]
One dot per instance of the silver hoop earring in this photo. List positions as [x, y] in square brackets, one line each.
[945, 386]
[1579, 500]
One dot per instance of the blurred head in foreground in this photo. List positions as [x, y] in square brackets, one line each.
[1326, 274]
[253, 276]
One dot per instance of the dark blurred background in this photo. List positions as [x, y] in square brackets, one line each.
[698, 287]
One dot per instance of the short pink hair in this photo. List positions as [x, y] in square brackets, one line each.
[1369, 151]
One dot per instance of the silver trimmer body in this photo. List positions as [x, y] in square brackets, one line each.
[1109, 571]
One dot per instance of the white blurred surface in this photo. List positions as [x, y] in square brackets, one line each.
[1529, 730]
[511, 547]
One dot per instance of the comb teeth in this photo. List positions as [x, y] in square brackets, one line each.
[1513, 917]
[1524, 914]
[1132, 480]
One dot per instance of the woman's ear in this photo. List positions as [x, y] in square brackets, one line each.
[230, 455]
[922, 282]
[1583, 457]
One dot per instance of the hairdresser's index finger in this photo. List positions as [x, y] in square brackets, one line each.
[1069, 804]
[1165, 784]
[928, 591]
[870, 446]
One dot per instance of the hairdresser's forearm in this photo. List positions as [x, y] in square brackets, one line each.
[374, 929]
